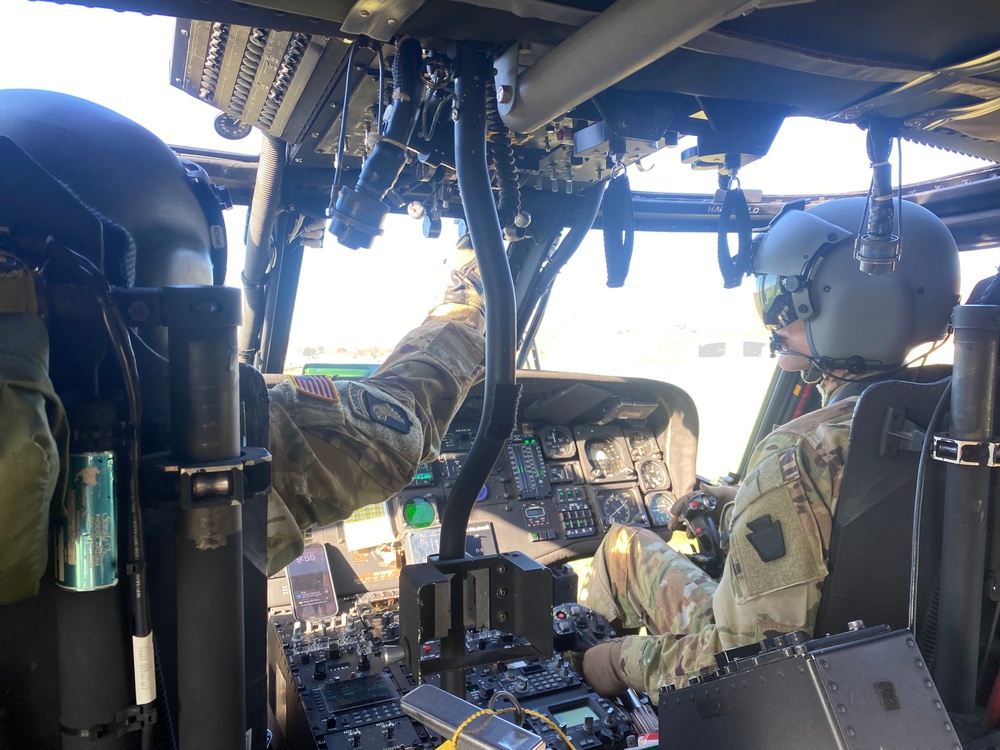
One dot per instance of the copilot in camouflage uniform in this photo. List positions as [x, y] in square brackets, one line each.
[778, 545]
[340, 445]
[827, 314]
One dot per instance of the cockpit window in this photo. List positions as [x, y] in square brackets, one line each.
[354, 305]
[672, 321]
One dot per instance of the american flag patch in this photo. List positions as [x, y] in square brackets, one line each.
[318, 386]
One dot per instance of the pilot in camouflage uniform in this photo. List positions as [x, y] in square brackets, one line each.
[832, 318]
[773, 575]
[339, 445]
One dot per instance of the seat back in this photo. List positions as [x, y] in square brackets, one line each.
[871, 545]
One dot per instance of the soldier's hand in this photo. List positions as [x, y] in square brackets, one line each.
[723, 494]
[466, 286]
[602, 668]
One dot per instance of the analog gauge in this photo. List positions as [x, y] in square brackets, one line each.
[557, 442]
[620, 506]
[418, 512]
[605, 458]
[229, 127]
[641, 444]
[563, 473]
[653, 476]
[660, 504]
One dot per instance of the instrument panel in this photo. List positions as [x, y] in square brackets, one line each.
[586, 454]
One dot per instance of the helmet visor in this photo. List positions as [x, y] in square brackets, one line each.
[774, 304]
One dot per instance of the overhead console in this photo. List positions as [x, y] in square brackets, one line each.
[588, 452]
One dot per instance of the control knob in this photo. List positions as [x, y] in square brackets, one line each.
[319, 671]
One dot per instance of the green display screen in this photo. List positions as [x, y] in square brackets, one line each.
[573, 715]
[418, 513]
[348, 372]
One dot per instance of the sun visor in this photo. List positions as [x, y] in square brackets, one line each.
[793, 241]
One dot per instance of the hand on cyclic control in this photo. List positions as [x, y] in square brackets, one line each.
[723, 494]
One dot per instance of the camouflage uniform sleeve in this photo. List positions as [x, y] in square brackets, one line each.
[340, 445]
[778, 547]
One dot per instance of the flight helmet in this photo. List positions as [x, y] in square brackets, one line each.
[805, 269]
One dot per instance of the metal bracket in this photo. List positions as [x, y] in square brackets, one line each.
[966, 452]
[899, 433]
[509, 65]
[510, 592]
[206, 484]
[379, 19]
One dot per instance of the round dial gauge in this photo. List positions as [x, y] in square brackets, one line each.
[659, 504]
[653, 476]
[620, 506]
[557, 442]
[418, 512]
[605, 458]
[641, 444]
[229, 127]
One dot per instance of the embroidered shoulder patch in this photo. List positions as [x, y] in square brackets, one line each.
[373, 408]
[317, 386]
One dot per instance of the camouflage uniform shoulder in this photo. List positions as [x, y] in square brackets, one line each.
[819, 440]
[815, 427]
[839, 413]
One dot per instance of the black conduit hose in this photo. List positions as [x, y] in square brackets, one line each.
[260, 222]
[501, 388]
[502, 155]
[585, 219]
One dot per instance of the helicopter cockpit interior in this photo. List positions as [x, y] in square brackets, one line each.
[537, 133]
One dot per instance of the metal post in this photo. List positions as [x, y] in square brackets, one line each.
[204, 412]
[963, 556]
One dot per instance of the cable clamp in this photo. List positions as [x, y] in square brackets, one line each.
[132, 719]
[966, 452]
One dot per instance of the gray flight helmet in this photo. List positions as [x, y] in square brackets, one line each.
[855, 321]
[126, 174]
